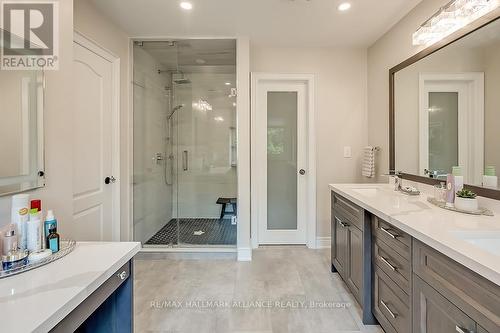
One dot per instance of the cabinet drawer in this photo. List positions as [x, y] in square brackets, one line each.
[391, 304]
[435, 314]
[393, 264]
[349, 210]
[395, 238]
[476, 296]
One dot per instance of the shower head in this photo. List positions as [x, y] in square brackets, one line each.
[179, 78]
[182, 81]
[175, 109]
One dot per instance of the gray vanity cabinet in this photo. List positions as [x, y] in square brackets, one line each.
[347, 244]
[392, 277]
[447, 293]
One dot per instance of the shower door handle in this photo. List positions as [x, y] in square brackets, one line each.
[185, 160]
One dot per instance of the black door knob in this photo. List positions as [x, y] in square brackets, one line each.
[302, 172]
[109, 180]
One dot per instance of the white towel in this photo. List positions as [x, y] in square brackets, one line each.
[368, 168]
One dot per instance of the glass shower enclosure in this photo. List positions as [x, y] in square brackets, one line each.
[185, 161]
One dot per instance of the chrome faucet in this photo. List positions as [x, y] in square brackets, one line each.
[398, 184]
[398, 181]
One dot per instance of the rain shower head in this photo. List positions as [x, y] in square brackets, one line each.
[177, 76]
[180, 79]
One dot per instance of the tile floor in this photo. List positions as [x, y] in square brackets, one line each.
[272, 293]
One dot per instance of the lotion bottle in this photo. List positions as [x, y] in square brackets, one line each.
[50, 221]
[34, 232]
[20, 217]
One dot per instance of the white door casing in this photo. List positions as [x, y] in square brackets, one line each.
[96, 213]
[470, 89]
[305, 233]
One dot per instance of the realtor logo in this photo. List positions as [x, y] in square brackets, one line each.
[30, 35]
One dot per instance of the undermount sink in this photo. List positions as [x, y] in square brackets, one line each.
[486, 240]
[367, 191]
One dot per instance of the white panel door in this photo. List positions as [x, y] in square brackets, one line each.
[93, 181]
[281, 139]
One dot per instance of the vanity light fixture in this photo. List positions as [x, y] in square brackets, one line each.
[344, 6]
[186, 5]
[450, 18]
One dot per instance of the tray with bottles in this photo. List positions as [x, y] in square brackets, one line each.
[25, 264]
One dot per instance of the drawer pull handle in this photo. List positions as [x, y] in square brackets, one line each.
[462, 330]
[393, 315]
[122, 275]
[385, 261]
[343, 224]
[389, 233]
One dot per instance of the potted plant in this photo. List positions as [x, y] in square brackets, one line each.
[466, 200]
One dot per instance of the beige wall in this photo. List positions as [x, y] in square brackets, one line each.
[58, 193]
[340, 81]
[92, 24]
[391, 49]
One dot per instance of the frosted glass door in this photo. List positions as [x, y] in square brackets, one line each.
[281, 160]
[281, 156]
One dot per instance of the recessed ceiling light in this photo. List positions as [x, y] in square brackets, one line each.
[344, 6]
[186, 5]
[227, 83]
[200, 61]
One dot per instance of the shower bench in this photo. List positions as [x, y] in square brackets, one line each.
[224, 202]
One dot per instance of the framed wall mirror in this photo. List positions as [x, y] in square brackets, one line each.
[22, 144]
[445, 109]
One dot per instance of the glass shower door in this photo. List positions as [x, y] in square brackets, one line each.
[206, 165]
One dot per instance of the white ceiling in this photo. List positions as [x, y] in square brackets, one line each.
[290, 23]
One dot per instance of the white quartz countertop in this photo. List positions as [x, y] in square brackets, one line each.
[473, 241]
[37, 300]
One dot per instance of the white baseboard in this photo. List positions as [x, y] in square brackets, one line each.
[244, 254]
[323, 242]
